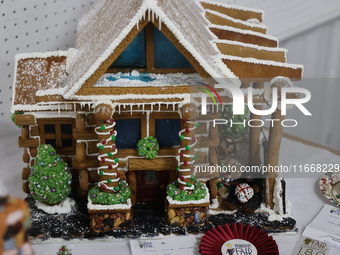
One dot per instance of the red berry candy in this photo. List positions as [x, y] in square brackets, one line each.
[110, 166]
[182, 178]
[63, 249]
[181, 188]
[112, 120]
[103, 186]
[184, 121]
[193, 140]
[103, 142]
[103, 160]
[112, 132]
[114, 147]
[118, 175]
[222, 181]
[187, 130]
[181, 154]
[186, 163]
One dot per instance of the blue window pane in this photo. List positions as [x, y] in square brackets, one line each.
[167, 132]
[134, 54]
[128, 133]
[166, 54]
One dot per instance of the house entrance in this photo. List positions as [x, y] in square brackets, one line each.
[151, 185]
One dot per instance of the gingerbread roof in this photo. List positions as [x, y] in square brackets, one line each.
[224, 41]
[198, 25]
[35, 72]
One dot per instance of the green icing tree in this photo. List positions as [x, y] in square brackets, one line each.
[237, 130]
[50, 178]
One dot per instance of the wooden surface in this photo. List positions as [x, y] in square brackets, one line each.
[157, 164]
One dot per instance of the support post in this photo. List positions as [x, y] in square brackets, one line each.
[254, 134]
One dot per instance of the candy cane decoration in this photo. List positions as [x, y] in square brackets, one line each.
[108, 157]
[181, 178]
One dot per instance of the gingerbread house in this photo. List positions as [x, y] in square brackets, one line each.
[131, 75]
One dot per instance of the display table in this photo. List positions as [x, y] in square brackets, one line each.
[304, 194]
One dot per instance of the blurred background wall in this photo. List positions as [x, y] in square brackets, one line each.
[309, 29]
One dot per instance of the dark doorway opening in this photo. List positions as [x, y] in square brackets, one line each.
[151, 186]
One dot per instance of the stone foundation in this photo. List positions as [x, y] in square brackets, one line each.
[103, 221]
[186, 215]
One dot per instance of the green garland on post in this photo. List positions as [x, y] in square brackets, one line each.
[148, 147]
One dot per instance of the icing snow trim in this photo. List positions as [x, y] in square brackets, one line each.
[245, 23]
[243, 31]
[49, 92]
[64, 207]
[47, 54]
[262, 62]
[228, 6]
[248, 45]
[148, 5]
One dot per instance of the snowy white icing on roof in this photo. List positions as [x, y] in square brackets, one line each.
[235, 7]
[243, 31]
[36, 71]
[262, 62]
[99, 33]
[248, 45]
[250, 24]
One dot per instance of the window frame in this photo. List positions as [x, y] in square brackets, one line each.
[150, 58]
[57, 136]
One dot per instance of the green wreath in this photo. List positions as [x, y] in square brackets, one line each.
[148, 147]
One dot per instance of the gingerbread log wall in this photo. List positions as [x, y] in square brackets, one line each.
[28, 140]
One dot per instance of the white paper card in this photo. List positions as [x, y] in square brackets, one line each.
[186, 245]
[307, 245]
[326, 226]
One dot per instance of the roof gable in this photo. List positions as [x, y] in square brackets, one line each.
[101, 36]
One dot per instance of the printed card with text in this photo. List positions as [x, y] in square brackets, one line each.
[186, 245]
[309, 246]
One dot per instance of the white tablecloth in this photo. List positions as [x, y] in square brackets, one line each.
[304, 194]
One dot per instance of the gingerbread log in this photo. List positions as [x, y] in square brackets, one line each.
[26, 172]
[25, 187]
[23, 119]
[81, 123]
[26, 157]
[84, 179]
[213, 132]
[25, 133]
[30, 142]
[81, 152]
[33, 151]
[89, 162]
[103, 112]
[274, 142]
[275, 136]
[189, 115]
[213, 189]
[132, 179]
[254, 133]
